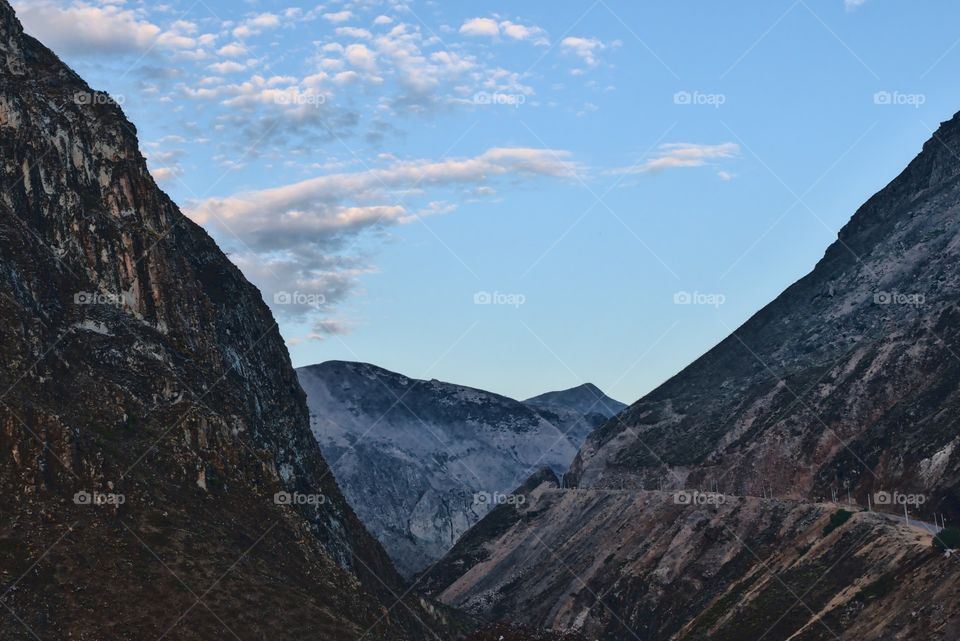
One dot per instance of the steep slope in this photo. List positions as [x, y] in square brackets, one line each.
[148, 410]
[422, 461]
[628, 564]
[848, 381]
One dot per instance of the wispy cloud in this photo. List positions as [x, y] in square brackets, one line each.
[681, 155]
[585, 48]
[297, 237]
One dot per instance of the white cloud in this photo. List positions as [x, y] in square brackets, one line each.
[361, 57]
[232, 50]
[480, 27]
[354, 32]
[226, 67]
[491, 28]
[853, 4]
[523, 32]
[271, 207]
[339, 16]
[264, 21]
[679, 155]
[257, 24]
[382, 20]
[84, 28]
[585, 48]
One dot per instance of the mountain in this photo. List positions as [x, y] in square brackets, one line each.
[422, 461]
[578, 410]
[158, 477]
[848, 382]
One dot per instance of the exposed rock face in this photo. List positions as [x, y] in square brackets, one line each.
[848, 380]
[148, 409]
[421, 461]
[627, 564]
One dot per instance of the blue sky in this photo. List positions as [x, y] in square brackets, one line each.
[518, 196]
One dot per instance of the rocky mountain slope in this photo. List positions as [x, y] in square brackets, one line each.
[847, 382]
[158, 477]
[422, 461]
[631, 564]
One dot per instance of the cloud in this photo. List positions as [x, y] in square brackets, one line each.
[585, 48]
[360, 56]
[480, 27]
[87, 29]
[681, 155]
[523, 32]
[337, 17]
[491, 28]
[850, 5]
[232, 50]
[226, 67]
[299, 237]
[257, 24]
[353, 32]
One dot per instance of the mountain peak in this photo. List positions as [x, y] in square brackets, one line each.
[585, 398]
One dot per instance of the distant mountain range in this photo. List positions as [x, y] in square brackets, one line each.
[422, 461]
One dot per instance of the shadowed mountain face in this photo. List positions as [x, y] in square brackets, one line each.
[422, 461]
[850, 380]
[149, 414]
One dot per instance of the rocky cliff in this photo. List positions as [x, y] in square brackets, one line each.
[158, 477]
[422, 461]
